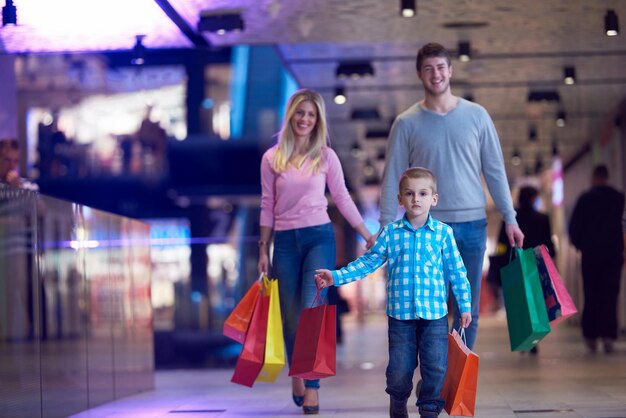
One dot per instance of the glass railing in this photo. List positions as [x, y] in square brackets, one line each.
[75, 311]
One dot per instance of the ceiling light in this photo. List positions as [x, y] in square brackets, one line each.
[611, 23]
[569, 75]
[9, 14]
[365, 113]
[220, 21]
[469, 97]
[560, 118]
[407, 8]
[516, 158]
[464, 51]
[532, 133]
[355, 69]
[340, 95]
[544, 96]
[139, 51]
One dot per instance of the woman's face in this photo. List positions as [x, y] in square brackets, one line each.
[304, 119]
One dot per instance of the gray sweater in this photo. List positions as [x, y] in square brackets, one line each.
[457, 147]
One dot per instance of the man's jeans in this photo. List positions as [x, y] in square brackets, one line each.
[471, 238]
[297, 254]
[409, 339]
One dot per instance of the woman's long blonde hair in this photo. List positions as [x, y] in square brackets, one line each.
[286, 137]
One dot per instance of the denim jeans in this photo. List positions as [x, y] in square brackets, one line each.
[408, 340]
[297, 254]
[471, 238]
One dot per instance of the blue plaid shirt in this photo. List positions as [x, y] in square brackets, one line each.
[419, 262]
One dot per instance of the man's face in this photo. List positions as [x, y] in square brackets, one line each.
[9, 159]
[435, 75]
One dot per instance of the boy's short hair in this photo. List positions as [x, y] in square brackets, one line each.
[9, 143]
[419, 173]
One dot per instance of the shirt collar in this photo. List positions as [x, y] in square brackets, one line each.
[404, 223]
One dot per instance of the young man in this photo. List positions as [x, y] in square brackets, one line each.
[422, 259]
[457, 141]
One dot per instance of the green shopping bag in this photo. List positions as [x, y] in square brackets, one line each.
[526, 312]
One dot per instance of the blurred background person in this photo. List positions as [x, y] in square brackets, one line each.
[596, 230]
[9, 161]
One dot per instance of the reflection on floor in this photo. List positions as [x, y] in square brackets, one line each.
[562, 381]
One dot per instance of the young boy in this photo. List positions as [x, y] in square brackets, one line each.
[422, 254]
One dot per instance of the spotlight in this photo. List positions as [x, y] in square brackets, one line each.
[9, 14]
[516, 158]
[469, 97]
[464, 51]
[139, 51]
[569, 75]
[544, 96]
[532, 133]
[560, 118]
[407, 8]
[220, 21]
[355, 69]
[611, 23]
[340, 95]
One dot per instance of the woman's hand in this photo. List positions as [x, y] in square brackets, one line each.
[369, 243]
[264, 263]
[466, 319]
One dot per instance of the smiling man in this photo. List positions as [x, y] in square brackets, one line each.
[457, 141]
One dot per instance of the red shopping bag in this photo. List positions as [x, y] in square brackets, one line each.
[250, 361]
[459, 386]
[314, 353]
[559, 303]
[236, 325]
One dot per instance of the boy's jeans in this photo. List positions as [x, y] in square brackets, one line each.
[407, 339]
[297, 254]
[471, 238]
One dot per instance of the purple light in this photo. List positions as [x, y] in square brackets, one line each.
[79, 25]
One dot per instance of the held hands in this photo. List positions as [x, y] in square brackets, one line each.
[369, 243]
[323, 278]
[466, 319]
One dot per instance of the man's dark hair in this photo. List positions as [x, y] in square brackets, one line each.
[600, 172]
[527, 196]
[431, 50]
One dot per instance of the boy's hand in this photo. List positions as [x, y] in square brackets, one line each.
[466, 319]
[323, 278]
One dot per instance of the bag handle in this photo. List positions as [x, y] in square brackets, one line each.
[462, 334]
[318, 297]
[514, 253]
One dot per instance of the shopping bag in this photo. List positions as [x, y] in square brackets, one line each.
[236, 325]
[526, 315]
[274, 359]
[461, 381]
[252, 355]
[314, 351]
[559, 303]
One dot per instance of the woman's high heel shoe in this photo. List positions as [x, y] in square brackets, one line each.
[298, 400]
[312, 409]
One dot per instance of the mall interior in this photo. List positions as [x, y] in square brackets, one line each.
[142, 124]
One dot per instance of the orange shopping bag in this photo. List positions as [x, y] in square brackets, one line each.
[459, 386]
[236, 325]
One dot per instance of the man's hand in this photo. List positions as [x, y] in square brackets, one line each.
[466, 319]
[323, 278]
[515, 235]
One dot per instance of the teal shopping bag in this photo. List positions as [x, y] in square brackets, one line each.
[526, 312]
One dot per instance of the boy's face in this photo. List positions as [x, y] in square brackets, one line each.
[416, 197]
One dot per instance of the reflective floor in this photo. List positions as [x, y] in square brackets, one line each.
[563, 380]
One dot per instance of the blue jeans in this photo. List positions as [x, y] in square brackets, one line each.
[297, 254]
[408, 340]
[471, 238]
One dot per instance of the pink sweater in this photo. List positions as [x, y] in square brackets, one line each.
[296, 198]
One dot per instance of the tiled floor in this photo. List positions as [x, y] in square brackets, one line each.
[562, 381]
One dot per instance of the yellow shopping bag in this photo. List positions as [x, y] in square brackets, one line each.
[274, 343]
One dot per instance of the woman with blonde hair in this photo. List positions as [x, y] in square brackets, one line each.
[294, 176]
